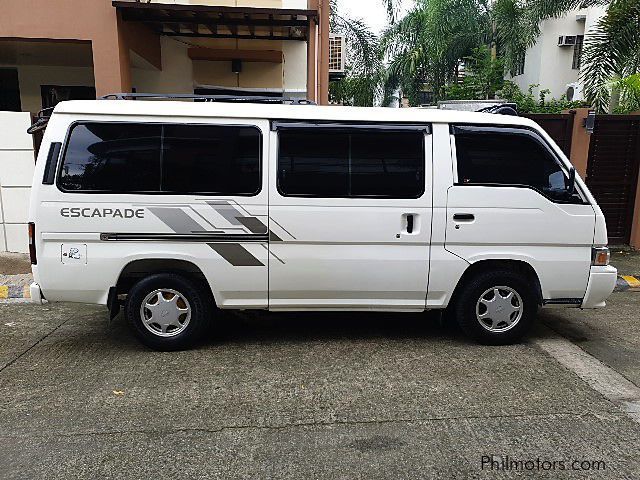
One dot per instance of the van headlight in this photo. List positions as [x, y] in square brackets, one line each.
[600, 256]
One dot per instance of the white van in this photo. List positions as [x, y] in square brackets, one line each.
[174, 209]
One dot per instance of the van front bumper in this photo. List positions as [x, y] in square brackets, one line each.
[602, 281]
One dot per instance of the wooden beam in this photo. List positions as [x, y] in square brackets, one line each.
[220, 55]
[225, 35]
[252, 27]
[135, 5]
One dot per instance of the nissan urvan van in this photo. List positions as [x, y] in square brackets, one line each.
[176, 209]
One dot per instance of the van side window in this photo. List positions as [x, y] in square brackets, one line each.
[208, 158]
[162, 158]
[345, 163]
[488, 156]
[112, 157]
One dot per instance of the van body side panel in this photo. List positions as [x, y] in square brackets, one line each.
[520, 224]
[85, 240]
[348, 253]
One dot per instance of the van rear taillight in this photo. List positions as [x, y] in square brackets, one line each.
[32, 243]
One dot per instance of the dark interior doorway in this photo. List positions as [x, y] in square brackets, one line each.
[10, 90]
[54, 94]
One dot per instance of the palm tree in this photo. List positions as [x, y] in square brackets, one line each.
[362, 85]
[612, 50]
[426, 45]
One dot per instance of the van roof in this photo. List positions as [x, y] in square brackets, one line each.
[280, 111]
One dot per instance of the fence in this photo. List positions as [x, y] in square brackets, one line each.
[559, 127]
[612, 165]
[612, 171]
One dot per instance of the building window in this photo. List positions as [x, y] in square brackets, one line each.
[346, 164]
[162, 158]
[519, 66]
[577, 52]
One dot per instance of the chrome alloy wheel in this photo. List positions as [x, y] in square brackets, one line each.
[165, 312]
[499, 309]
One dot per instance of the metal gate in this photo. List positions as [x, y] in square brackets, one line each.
[558, 126]
[612, 171]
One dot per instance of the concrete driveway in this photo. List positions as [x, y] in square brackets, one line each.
[303, 396]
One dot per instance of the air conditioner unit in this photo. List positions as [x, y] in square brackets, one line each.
[337, 55]
[574, 92]
[566, 40]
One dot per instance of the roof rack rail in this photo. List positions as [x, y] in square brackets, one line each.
[502, 109]
[206, 98]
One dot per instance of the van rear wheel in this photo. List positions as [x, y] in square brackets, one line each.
[167, 311]
[497, 308]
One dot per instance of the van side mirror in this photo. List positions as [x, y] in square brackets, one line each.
[571, 188]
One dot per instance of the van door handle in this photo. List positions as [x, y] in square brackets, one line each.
[464, 217]
[410, 224]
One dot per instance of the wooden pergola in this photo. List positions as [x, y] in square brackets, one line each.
[205, 21]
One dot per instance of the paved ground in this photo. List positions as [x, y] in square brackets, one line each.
[626, 261]
[611, 335]
[314, 396]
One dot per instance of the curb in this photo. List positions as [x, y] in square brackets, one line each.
[15, 286]
[628, 282]
[14, 291]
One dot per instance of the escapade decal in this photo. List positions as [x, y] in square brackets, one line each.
[91, 212]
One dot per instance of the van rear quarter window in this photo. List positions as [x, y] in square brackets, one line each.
[351, 163]
[112, 157]
[103, 157]
[508, 158]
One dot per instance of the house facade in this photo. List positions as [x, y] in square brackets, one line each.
[554, 61]
[80, 49]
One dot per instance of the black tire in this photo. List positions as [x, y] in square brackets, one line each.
[181, 337]
[501, 334]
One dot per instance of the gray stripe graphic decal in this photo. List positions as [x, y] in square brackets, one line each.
[229, 212]
[273, 237]
[177, 220]
[236, 254]
[253, 224]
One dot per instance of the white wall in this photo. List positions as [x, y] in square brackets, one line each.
[16, 171]
[176, 75]
[547, 64]
[295, 68]
[180, 75]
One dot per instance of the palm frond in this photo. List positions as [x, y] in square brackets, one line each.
[365, 68]
[426, 45]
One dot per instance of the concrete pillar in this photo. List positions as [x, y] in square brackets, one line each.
[312, 62]
[580, 142]
[111, 61]
[635, 226]
[323, 49]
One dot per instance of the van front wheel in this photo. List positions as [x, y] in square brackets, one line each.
[496, 308]
[167, 311]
